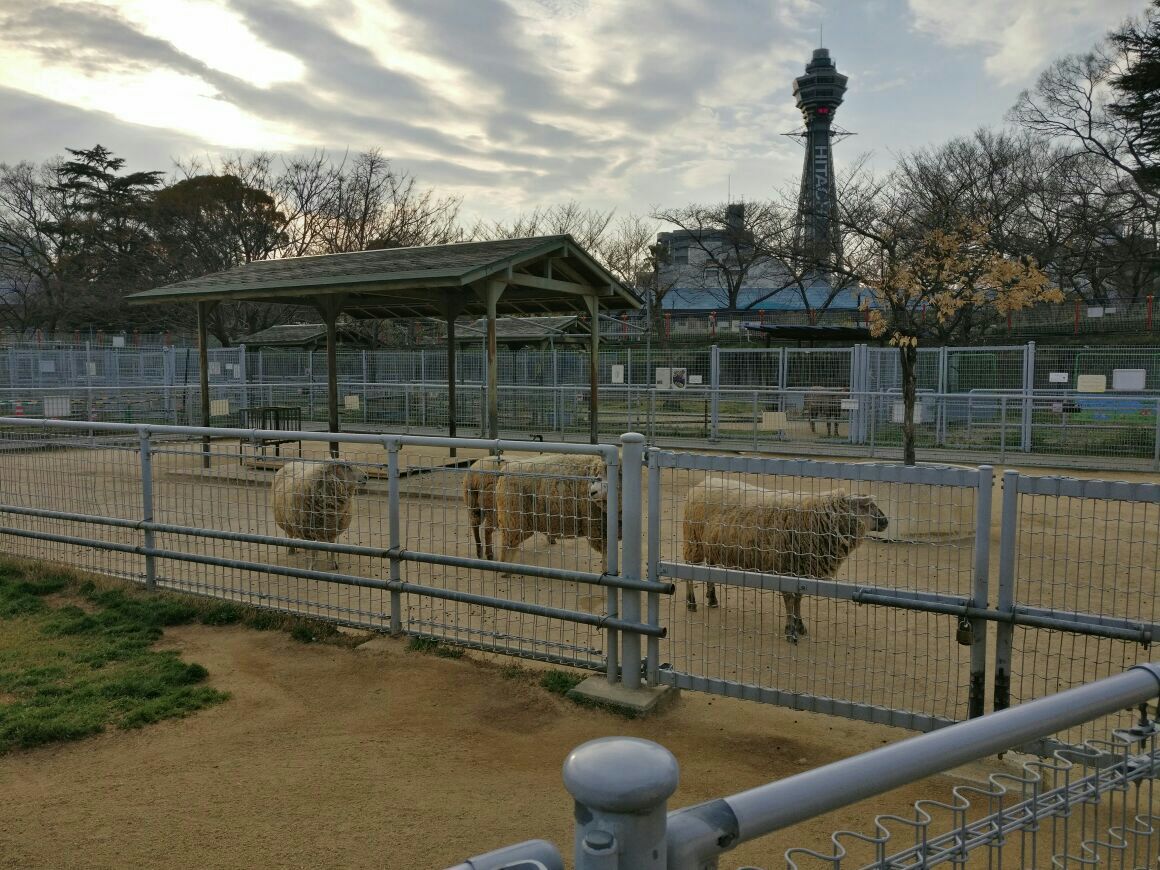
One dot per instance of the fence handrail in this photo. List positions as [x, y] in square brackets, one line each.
[698, 833]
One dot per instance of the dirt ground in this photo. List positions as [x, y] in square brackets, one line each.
[385, 758]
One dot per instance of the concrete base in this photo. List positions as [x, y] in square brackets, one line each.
[644, 701]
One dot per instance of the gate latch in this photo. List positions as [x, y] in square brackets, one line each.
[965, 633]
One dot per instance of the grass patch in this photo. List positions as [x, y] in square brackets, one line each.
[561, 682]
[432, 646]
[68, 672]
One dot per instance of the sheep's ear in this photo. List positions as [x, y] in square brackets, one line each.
[862, 500]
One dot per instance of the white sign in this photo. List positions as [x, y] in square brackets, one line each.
[774, 421]
[617, 374]
[849, 404]
[219, 408]
[57, 406]
[664, 379]
[899, 412]
[1128, 379]
[92, 367]
[1091, 383]
[215, 368]
[1096, 311]
[350, 402]
[1057, 377]
[47, 366]
[118, 341]
[695, 379]
[1057, 407]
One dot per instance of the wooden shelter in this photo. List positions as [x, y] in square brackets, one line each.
[540, 275]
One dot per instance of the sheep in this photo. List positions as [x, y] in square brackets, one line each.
[731, 524]
[827, 405]
[563, 496]
[479, 496]
[312, 500]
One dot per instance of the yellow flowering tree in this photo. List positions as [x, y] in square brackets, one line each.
[943, 284]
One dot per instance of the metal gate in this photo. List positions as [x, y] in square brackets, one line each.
[887, 637]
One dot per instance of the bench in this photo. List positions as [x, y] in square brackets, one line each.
[273, 417]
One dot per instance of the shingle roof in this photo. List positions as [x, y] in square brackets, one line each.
[516, 328]
[403, 282]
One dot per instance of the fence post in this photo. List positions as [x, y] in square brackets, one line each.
[395, 541]
[1005, 631]
[621, 786]
[653, 555]
[147, 506]
[612, 563]
[1028, 393]
[1156, 439]
[980, 592]
[631, 460]
[714, 394]
[1003, 428]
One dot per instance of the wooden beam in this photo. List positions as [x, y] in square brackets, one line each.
[493, 290]
[203, 312]
[329, 307]
[593, 368]
[522, 279]
[452, 305]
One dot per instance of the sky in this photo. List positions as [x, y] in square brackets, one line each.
[630, 105]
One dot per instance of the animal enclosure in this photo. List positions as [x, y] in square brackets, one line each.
[902, 633]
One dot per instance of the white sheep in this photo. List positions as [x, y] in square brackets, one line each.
[312, 500]
[562, 496]
[730, 524]
[479, 495]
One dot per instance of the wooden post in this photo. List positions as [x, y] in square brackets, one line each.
[203, 310]
[593, 368]
[451, 315]
[494, 291]
[329, 307]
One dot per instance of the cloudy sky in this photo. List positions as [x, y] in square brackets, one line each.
[626, 104]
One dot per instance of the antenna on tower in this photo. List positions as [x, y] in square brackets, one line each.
[821, 33]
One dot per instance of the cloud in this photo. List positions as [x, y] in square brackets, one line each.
[1019, 37]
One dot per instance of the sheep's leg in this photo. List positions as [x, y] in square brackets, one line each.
[795, 626]
[475, 520]
[488, 537]
[813, 431]
[509, 540]
[690, 596]
[712, 594]
[552, 540]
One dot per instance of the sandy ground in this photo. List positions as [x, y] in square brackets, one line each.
[326, 756]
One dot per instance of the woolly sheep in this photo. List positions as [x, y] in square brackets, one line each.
[731, 524]
[826, 404]
[479, 495]
[563, 496]
[312, 500]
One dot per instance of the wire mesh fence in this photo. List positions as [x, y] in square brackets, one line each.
[791, 566]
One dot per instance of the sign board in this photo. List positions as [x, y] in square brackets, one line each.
[219, 408]
[1057, 377]
[1091, 383]
[47, 366]
[695, 379]
[1128, 379]
[849, 404]
[899, 412]
[1095, 311]
[350, 402]
[773, 421]
[617, 374]
[680, 378]
[118, 341]
[92, 369]
[1057, 407]
[215, 368]
[57, 406]
[664, 379]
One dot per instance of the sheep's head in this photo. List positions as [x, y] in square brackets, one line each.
[598, 494]
[868, 513]
[348, 476]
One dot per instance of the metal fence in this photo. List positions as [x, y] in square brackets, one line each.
[1037, 405]
[1091, 806]
[879, 604]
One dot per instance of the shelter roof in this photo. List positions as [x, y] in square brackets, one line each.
[544, 274]
[301, 334]
[517, 329]
[810, 333]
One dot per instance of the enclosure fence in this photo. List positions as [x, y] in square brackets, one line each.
[915, 596]
[1094, 805]
[1028, 403]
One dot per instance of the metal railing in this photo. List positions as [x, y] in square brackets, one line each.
[621, 787]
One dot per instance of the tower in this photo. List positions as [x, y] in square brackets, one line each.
[818, 94]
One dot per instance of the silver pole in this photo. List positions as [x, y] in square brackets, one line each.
[394, 534]
[1005, 631]
[632, 458]
[980, 592]
[147, 508]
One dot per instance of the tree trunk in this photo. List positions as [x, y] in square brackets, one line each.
[909, 396]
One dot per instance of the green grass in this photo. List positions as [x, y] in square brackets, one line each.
[83, 661]
[561, 682]
[432, 646]
[68, 671]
